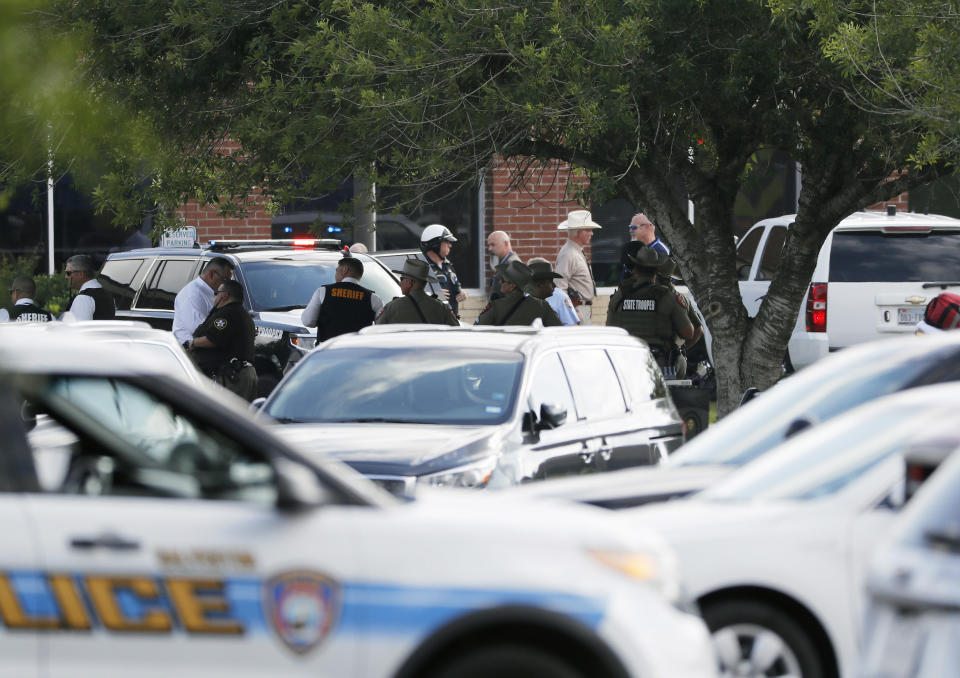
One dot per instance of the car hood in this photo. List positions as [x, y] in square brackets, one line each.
[629, 487]
[287, 319]
[393, 449]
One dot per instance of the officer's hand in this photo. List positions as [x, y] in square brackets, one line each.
[461, 296]
[446, 294]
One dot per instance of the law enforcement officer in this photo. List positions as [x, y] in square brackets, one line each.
[436, 241]
[343, 306]
[194, 302]
[24, 310]
[223, 344]
[572, 262]
[501, 252]
[694, 349]
[543, 286]
[647, 310]
[515, 307]
[416, 306]
[92, 301]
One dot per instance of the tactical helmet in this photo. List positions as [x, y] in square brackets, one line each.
[433, 235]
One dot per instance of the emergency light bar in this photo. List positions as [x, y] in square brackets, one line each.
[300, 243]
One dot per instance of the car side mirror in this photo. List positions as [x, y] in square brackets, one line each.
[298, 487]
[551, 416]
[796, 426]
[748, 395]
[257, 403]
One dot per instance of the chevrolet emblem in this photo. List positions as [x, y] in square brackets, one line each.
[915, 300]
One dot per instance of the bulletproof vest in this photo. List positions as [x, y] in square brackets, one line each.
[346, 308]
[30, 313]
[103, 308]
[644, 312]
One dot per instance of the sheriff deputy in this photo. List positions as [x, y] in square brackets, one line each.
[343, 306]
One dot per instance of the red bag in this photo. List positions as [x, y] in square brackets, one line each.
[943, 311]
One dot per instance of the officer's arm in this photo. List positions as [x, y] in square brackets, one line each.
[311, 313]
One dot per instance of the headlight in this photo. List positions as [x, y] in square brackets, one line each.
[304, 342]
[475, 474]
[654, 569]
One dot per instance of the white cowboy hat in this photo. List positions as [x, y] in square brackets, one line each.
[578, 220]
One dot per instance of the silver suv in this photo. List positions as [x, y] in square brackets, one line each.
[478, 407]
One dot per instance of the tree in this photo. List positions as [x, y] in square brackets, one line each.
[51, 121]
[631, 92]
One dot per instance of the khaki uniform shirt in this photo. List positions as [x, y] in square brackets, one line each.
[527, 310]
[402, 310]
[572, 265]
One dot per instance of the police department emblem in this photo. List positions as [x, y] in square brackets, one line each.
[302, 607]
[219, 323]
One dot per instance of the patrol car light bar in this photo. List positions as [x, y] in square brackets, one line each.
[302, 243]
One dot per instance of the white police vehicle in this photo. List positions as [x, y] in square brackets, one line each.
[180, 538]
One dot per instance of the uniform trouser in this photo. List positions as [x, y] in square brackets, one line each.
[245, 383]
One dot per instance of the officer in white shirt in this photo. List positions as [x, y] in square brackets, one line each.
[194, 302]
[25, 310]
[92, 302]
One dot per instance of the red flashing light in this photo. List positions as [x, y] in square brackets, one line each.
[304, 242]
[700, 141]
[817, 308]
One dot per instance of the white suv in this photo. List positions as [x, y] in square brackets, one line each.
[874, 276]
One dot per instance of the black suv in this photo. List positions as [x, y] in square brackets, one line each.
[278, 278]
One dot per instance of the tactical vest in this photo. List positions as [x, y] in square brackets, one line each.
[103, 308]
[30, 313]
[346, 308]
[644, 312]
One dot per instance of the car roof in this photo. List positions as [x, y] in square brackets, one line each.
[515, 337]
[872, 220]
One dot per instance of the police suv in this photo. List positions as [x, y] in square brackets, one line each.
[173, 536]
[278, 278]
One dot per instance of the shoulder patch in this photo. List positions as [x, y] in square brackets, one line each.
[220, 323]
[682, 300]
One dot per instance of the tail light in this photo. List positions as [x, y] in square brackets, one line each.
[817, 308]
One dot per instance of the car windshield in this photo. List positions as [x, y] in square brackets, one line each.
[284, 282]
[817, 393]
[470, 386]
[829, 458]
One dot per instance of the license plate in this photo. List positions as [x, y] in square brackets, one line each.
[909, 316]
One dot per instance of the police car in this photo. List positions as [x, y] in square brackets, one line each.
[180, 538]
[278, 278]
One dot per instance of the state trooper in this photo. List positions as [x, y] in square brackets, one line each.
[25, 310]
[515, 307]
[647, 310]
[342, 306]
[436, 241]
[416, 306]
[223, 344]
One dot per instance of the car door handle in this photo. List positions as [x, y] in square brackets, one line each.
[109, 541]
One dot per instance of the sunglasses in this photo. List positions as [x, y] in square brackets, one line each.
[69, 273]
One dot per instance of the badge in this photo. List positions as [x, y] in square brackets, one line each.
[302, 607]
[220, 323]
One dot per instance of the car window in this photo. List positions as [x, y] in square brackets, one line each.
[548, 384]
[117, 277]
[640, 375]
[746, 250]
[596, 389]
[872, 256]
[125, 440]
[771, 252]
[169, 278]
[468, 386]
[285, 283]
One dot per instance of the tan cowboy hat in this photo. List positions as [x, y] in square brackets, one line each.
[515, 272]
[578, 220]
[417, 269]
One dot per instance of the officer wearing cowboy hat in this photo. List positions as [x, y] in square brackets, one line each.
[647, 310]
[543, 286]
[572, 262]
[416, 306]
[515, 307]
